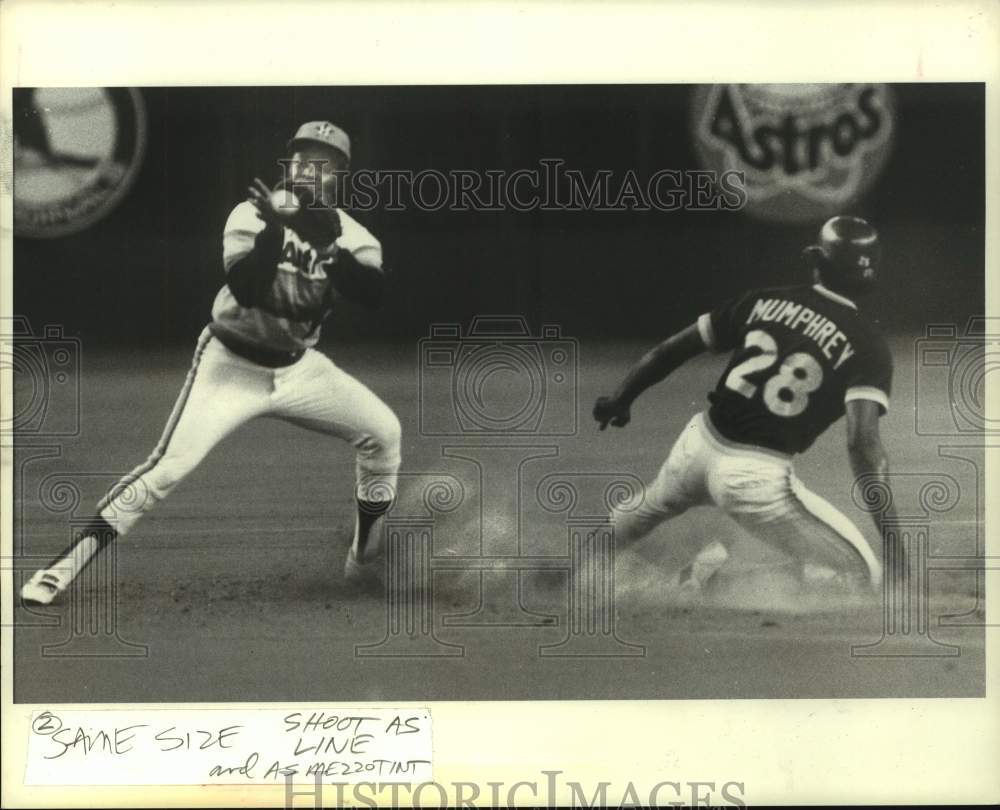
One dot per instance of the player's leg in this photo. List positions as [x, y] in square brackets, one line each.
[765, 497]
[220, 392]
[841, 545]
[679, 485]
[318, 395]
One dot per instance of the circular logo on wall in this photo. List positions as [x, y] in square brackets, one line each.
[76, 153]
[806, 150]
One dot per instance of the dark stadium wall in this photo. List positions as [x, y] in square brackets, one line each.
[147, 273]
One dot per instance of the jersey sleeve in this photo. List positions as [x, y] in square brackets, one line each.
[362, 244]
[238, 236]
[871, 377]
[720, 328]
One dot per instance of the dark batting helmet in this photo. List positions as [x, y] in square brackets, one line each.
[847, 255]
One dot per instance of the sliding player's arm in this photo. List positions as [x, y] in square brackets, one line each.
[716, 331]
[869, 462]
[654, 367]
[866, 401]
[864, 443]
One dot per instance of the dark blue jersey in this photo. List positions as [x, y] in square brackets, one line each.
[798, 355]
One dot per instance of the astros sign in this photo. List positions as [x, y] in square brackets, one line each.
[807, 150]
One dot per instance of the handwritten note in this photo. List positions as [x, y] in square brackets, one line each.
[229, 746]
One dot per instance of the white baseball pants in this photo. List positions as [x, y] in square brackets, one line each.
[759, 490]
[223, 391]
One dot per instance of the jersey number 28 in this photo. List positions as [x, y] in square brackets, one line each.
[786, 393]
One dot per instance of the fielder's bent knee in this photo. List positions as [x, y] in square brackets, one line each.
[391, 433]
[382, 444]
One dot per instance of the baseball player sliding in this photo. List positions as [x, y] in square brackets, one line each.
[801, 358]
[287, 262]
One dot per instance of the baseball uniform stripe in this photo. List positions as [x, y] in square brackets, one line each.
[175, 417]
[706, 332]
[868, 392]
[841, 525]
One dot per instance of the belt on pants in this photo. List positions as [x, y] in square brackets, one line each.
[270, 358]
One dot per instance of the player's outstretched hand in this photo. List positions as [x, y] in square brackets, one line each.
[260, 198]
[609, 409]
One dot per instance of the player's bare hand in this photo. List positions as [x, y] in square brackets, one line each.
[260, 197]
[610, 410]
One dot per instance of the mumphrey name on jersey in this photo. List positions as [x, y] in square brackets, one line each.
[827, 335]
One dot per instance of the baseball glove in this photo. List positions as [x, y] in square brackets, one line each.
[317, 224]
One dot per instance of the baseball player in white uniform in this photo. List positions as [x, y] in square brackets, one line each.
[287, 264]
[800, 358]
